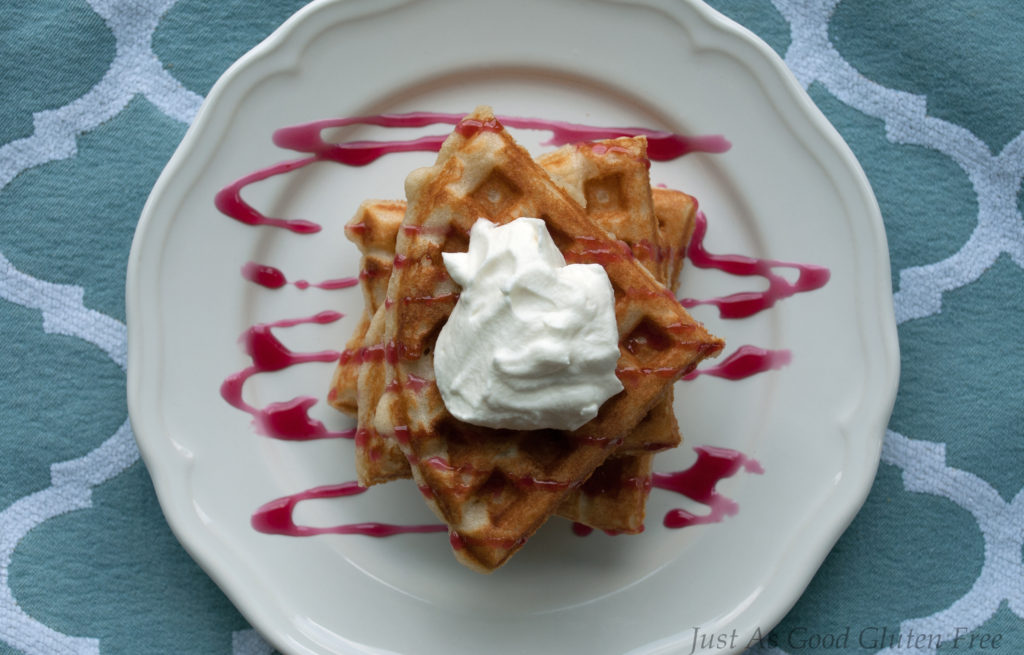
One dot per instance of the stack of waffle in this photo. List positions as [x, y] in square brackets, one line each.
[494, 488]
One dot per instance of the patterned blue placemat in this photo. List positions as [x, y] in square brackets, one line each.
[930, 96]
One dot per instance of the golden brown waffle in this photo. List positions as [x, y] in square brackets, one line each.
[378, 459]
[611, 178]
[614, 498]
[584, 168]
[373, 230]
[358, 379]
[494, 488]
[676, 213]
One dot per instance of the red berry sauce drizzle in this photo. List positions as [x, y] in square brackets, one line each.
[290, 420]
[276, 517]
[748, 303]
[273, 278]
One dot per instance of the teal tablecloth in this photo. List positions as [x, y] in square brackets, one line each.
[97, 94]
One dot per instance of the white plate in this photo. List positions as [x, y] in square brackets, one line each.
[789, 189]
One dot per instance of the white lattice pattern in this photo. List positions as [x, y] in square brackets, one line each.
[137, 71]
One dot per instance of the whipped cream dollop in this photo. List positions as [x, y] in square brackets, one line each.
[532, 342]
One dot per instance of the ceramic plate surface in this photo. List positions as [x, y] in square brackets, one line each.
[787, 190]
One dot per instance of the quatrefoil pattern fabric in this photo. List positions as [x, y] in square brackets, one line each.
[97, 94]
